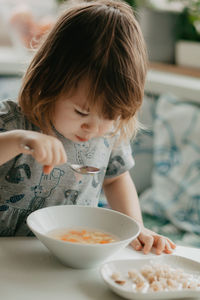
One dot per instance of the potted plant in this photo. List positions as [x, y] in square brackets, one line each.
[187, 50]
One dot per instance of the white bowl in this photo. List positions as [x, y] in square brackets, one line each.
[78, 255]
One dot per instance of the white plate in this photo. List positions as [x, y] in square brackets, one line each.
[126, 291]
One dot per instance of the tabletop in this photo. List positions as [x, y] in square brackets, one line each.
[28, 272]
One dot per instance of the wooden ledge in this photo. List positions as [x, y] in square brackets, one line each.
[193, 72]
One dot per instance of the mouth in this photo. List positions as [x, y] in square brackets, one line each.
[81, 139]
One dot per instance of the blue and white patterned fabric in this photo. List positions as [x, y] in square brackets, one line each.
[175, 193]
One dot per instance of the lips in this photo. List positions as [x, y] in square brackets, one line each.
[81, 139]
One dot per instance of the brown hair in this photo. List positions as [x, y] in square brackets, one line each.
[99, 40]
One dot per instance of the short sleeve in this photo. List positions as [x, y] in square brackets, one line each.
[121, 160]
[11, 117]
[8, 115]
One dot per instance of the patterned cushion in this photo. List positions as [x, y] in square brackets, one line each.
[175, 192]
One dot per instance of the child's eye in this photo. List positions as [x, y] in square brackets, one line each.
[81, 113]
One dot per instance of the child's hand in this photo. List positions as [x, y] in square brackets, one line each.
[47, 150]
[149, 239]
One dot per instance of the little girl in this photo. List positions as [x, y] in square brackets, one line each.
[78, 103]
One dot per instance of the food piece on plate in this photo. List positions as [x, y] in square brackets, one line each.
[156, 277]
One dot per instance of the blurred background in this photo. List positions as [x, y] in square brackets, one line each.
[171, 27]
[167, 152]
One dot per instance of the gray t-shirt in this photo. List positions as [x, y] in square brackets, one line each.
[25, 188]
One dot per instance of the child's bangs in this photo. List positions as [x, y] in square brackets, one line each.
[108, 101]
[99, 103]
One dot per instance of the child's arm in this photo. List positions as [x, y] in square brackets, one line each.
[8, 146]
[46, 149]
[122, 196]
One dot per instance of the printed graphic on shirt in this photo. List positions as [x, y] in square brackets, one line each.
[71, 197]
[106, 143]
[84, 151]
[42, 191]
[115, 164]
[98, 178]
[12, 116]
[11, 200]
[16, 173]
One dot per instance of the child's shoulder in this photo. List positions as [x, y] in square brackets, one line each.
[10, 115]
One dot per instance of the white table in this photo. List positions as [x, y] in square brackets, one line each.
[29, 272]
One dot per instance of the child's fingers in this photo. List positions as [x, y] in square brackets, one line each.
[46, 155]
[55, 154]
[48, 159]
[168, 250]
[59, 155]
[148, 241]
[163, 244]
[168, 247]
[38, 153]
[26, 149]
[160, 245]
[172, 244]
[63, 155]
[136, 245]
[144, 241]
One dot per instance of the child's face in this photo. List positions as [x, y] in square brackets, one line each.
[76, 123]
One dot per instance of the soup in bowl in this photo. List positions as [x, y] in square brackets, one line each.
[82, 236]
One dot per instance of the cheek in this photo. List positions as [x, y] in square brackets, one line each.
[67, 122]
[106, 127]
[64, 118]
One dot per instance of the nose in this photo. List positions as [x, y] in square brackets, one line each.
[91, 126]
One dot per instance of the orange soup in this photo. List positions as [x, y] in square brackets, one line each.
[83, 236]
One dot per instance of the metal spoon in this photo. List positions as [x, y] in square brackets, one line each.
[85, 170]
[80, 169]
